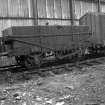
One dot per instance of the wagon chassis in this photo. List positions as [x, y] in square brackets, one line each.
[28, 55]
[52, 70]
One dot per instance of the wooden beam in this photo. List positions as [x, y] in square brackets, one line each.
[32, 18]
[95, 1]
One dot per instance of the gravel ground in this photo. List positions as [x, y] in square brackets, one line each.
[79, 87]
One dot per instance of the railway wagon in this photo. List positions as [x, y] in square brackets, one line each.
[39, 43]
[96, 23]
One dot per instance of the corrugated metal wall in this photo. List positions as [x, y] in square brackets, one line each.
[53, 9]
[81, 7]
[18, 8]
[13, 8]
[45, 9]
[54, 12]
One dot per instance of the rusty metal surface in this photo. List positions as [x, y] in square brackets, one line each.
[70, 35]
[95, 21]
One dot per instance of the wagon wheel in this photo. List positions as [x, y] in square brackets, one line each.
[9, 77]
[29, 62]
[37, 61]
[20, 60]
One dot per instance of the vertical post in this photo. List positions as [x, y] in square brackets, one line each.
[30, 8]
[9, 21]
[99, 9]
[71, 5]
[33, 11]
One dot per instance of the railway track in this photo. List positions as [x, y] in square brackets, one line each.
[52, 70]
[69, 66]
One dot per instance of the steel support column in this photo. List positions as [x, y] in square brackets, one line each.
[71, 5]
[99, 9]
[33, 10]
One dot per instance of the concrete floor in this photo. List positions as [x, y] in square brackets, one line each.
[78, 87]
